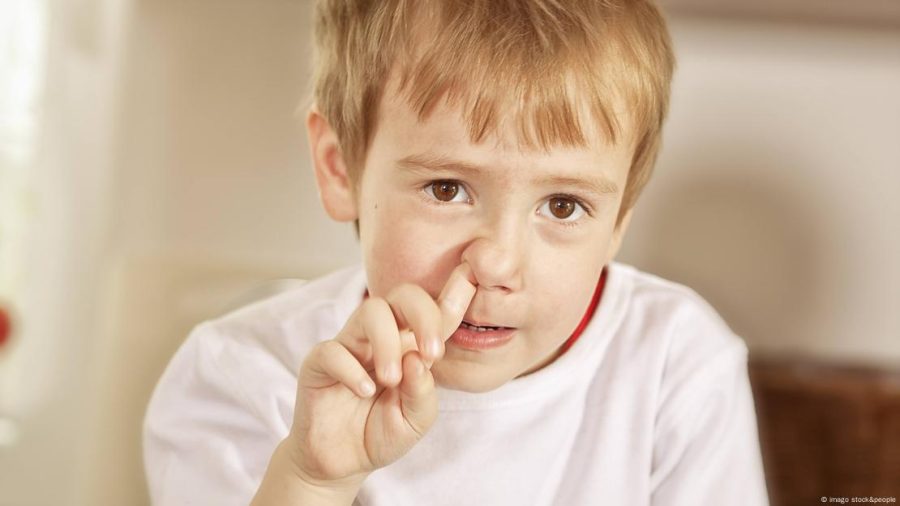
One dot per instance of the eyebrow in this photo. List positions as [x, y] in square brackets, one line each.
[599, 185]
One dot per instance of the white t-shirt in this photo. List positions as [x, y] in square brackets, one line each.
[651, 406]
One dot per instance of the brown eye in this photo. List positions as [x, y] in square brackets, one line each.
[445, 191]
[562, 208]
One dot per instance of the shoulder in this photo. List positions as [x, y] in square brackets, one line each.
[245, 359]
[287, 324]
[324, 294]
[682, 319]
[694, 350]
[228, 393]
[700, 397]
[653, 297]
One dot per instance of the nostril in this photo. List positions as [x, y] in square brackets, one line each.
[496, 288]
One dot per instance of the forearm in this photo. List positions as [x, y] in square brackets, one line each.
[282, 486]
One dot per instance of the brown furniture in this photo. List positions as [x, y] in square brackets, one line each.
[827, 429]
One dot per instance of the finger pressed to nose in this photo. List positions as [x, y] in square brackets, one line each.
[455, 298]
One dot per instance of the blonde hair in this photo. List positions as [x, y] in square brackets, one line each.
[555, 68]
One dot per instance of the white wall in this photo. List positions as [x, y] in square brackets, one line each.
[776, 197]
[213, 160]
[213, 195]
[56, 339]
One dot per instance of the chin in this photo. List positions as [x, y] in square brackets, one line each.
[465, 381]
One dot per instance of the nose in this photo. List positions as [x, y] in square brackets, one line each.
[496, 264]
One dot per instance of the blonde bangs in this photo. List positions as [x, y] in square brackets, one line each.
[545, 111]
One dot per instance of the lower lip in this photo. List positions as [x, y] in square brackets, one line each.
[475, 340]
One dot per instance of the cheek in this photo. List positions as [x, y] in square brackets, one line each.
[399, 248]
[564, 290]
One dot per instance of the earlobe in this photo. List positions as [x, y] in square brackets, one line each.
[618, 235]
[332, 179]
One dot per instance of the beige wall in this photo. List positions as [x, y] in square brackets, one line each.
[213, 160]
[776, 197]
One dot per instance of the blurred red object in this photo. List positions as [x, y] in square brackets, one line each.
[5, 327]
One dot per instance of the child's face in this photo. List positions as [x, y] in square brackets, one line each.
[536, 228]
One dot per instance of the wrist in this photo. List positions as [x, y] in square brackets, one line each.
[294, 459]
[285, 482]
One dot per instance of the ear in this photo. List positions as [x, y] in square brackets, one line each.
[335, 187]
[618, 235]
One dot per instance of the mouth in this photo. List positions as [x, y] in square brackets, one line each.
[482, 327]
[481, 336]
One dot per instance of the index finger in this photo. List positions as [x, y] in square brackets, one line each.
[455, 298]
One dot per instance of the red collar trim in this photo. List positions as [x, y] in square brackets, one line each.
[595, 300]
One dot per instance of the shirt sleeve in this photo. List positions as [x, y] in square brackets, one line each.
[208, 438]
[706, 447]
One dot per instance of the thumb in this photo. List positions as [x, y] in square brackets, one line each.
[418, 397]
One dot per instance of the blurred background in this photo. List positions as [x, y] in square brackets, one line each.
[153, 173]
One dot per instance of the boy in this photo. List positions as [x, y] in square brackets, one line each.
[489, 351]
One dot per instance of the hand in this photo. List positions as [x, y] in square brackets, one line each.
[345, 426]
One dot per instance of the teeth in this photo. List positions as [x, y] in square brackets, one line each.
[477, 328]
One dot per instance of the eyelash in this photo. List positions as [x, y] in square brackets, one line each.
[434, 201]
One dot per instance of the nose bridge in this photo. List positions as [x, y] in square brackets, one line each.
[498, 253]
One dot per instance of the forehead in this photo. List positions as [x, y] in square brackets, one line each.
[444, 132]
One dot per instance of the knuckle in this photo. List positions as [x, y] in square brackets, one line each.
[326, 353]
[316, 359]
[375, 312]
[370, 307]
[329, 349]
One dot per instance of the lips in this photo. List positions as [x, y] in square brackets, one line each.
[481, 337]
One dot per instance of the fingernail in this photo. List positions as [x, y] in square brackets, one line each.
[367, 388]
